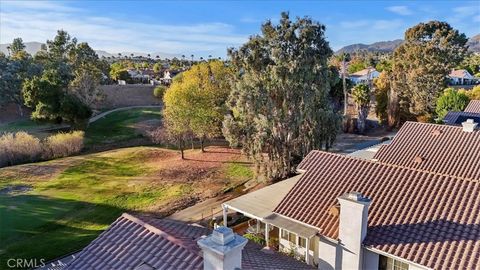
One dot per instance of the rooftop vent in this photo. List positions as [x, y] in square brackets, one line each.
[469, 125]
[418, 159]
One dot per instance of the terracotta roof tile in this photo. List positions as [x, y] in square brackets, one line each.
[428, 218]
[443, 149]
[163, 244]
[473, 106]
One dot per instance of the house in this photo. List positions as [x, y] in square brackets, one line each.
[364, 76]
[415, 205]
[473, 106]
[461, 77]
[146, 243]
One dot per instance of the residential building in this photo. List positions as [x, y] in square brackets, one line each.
[461, 77]
[364, 76]
[415, 205]
[473, 107]
[146, 243]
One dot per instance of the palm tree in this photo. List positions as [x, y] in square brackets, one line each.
[209, 56]
[201, 59]
[148, 55]
[192, 57]
[157, 56]
[119, 55]
[131, 55]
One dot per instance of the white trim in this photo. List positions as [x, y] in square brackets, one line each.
[395, 257]
[243, 212]
[297, 221]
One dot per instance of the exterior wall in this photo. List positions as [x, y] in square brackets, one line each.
[370, 259]
[329, 255]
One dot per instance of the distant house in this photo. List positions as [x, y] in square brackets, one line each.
[364, 76]
[473, 106]
[461, 77]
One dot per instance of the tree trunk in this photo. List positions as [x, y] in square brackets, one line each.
[181, 146]
[202, 140]
[20, 110]
[392, 109]
[345, 94]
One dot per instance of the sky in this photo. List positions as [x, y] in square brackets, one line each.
[210, 27]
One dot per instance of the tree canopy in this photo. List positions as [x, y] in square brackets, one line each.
[421, 64]
[451, 100]
[280, 108]
[195, 102]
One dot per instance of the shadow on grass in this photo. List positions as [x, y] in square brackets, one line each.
[41, 227]
[219, 161]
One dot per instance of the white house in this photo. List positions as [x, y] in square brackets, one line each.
[364, 76]
[461, 77]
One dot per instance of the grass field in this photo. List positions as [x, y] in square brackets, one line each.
[49, 209]
[122, 126]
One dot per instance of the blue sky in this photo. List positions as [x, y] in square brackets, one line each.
[209, 27]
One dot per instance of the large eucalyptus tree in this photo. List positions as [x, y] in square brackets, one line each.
[279, 102]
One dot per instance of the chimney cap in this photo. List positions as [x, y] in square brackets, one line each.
[222, 241]
[469, 125]
[356, 196]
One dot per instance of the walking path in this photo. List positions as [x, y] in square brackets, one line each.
[103, 114]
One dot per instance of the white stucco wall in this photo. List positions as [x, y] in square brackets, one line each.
[329, 255]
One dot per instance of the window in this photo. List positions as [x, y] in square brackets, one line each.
[302, 242]
[285, 234]
[386, 263]
[292, 238]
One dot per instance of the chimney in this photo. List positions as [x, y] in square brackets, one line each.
[469, 125]
[222, 250]
[353, 228]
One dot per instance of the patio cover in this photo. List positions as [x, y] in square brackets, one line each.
[260, 203]
[291, 226]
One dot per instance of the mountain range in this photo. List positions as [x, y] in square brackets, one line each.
[389, 46]
[381, 46]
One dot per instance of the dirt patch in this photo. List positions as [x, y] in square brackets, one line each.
[15, 189]
[38, 172]
[10, 113]
[128, 95]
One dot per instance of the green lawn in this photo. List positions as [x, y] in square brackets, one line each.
[65, 213]
[72, 200]
[120, 126]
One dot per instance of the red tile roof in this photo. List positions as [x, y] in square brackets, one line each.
[131, 242]
[473, 106]
[441, 148]
[459, 73]
[428, 218]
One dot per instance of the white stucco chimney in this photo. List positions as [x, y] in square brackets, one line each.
[469, 125]
[222, 250]
[353, 228]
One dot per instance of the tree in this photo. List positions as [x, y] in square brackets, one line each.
[279, 104]
[451, 100]
[197, 102]
[382, 89]
[473, 94]
[421, 64]
[361, 97]
[356, 64]
[17, 47]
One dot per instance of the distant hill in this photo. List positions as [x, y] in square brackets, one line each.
[33, 47]
[381, 46]
[474, 43]
[389, 46]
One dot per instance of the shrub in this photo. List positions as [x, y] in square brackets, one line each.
[451, 100]
[255, 238]
[63, 144]
[20, 147]
[159, 91]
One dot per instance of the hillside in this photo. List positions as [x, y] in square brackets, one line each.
[389, 46]
[33, 47]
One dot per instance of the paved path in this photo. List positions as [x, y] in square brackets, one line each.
[202, 210]
[103, 114]
[347, 143]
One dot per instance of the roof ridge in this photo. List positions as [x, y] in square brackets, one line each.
[157, 231]
[396, 166]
